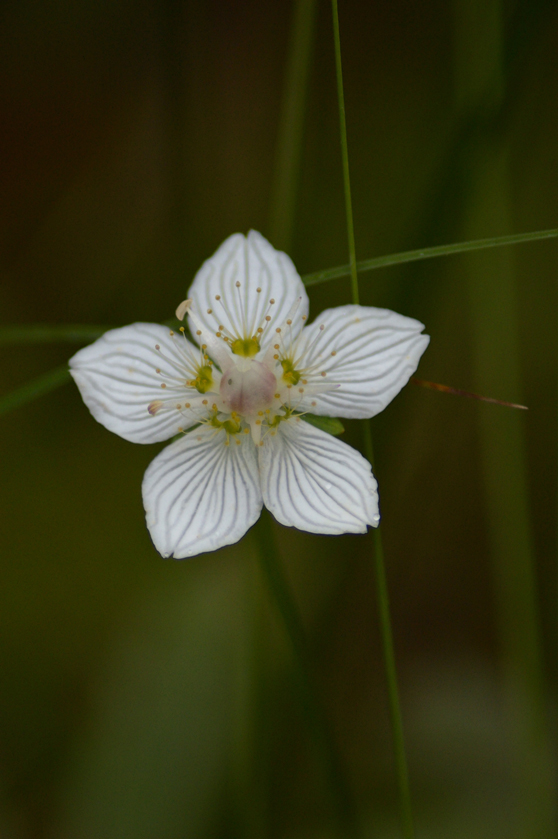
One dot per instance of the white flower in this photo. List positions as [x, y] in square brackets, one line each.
[237, 398]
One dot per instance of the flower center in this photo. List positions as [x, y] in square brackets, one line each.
[248, 387]
[291, 376]
[246, 347]
[204, 380]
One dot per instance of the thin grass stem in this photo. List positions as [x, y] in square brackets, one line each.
[315, 716]
[481, 84]
[44, 333]
[291, 124]
[427, 253]
[35, 388]
[345, 154]
[405, 809]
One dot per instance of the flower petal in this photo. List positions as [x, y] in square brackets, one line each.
[315, 482]
[200, 494]
[369, 353]
[118, 379]
[253, 263]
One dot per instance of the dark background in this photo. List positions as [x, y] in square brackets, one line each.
[151, 698]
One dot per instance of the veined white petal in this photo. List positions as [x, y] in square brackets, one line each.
[200, 494]
[313, 481]
[370, 353]
[118, 380]
[246, 273]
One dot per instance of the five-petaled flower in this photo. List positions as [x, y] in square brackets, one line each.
[238, 401]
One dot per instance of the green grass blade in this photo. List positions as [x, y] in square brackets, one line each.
[291, 124]
[405, 809]
[427, 253]
[32, 390]
[480, 28]
[316, 718]
[51, 333]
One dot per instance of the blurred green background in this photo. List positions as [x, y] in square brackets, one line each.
[147, 698]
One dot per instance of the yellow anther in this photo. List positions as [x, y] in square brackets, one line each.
[157, 347]
[163, 385]
[181, 329]
[334, 352]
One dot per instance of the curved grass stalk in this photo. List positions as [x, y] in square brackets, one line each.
[481, 83]
[428, 253]
[405, 809]
[35, 388]
[316, 718]
[44, 333]
[291, 124]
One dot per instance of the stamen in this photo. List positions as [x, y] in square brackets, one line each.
[154, 407]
